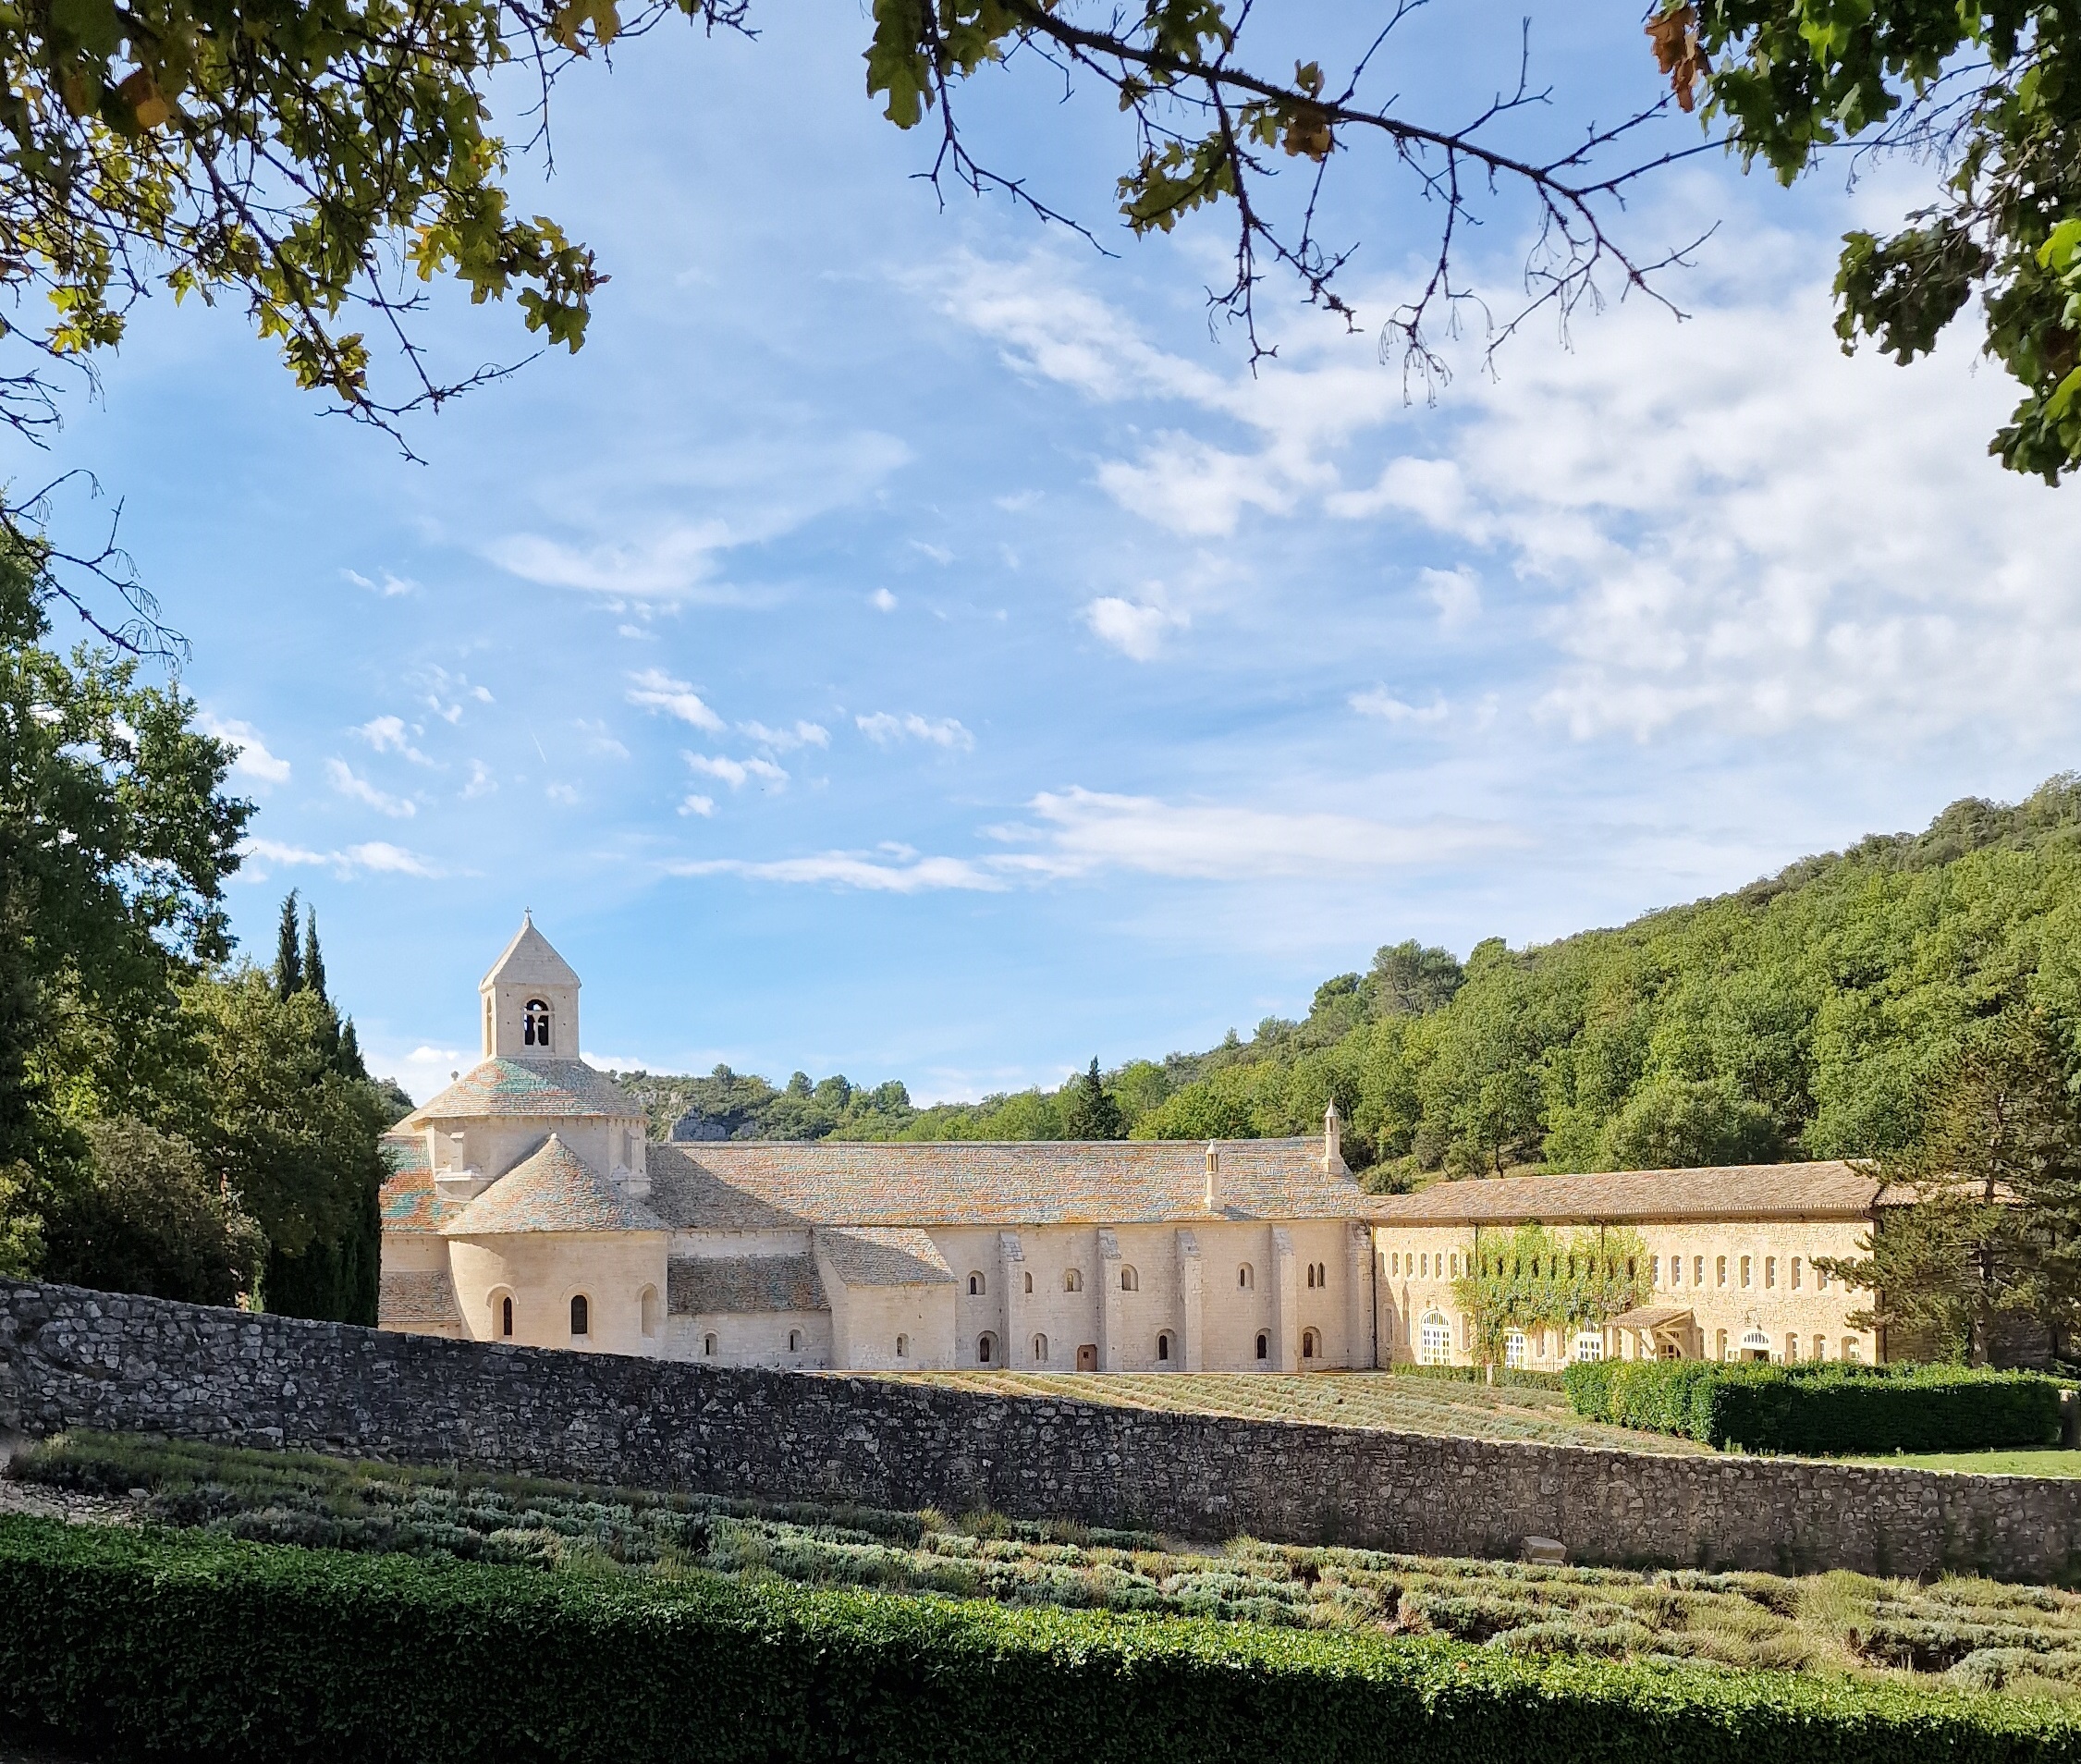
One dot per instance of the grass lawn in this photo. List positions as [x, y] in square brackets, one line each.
[1383, 1399]
[1974, 1634]
[2044, 1461]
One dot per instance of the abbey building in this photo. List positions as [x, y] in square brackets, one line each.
[528, 1205]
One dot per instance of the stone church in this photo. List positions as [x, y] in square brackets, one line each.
[527, 1203]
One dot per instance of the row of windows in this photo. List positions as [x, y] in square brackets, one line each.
[710, 1343]
[650, 1308]
[1450, 1265]
[1130, 1281]
[986, 1349]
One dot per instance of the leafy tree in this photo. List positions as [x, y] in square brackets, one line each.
[1994, 1233]
[1409, 979]
[1982, 88]
[270, 1109]
[115, 841]
[1089, 1111]
[154, 1219]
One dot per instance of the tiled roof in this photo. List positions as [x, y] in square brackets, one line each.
[416, 1298]
[1828, 1190]
[408, 1199]
[537, 1088]
[750, 1184]
[884, 1258]
[529, 961]
[700, 1285]
[555, 1189]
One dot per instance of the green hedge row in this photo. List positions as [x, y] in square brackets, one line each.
[1820, 1409]
[157, 1644]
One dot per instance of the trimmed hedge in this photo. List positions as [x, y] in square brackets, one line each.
[160, 1644]
[1821, 1409]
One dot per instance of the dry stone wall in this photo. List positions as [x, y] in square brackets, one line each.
[75, 1358]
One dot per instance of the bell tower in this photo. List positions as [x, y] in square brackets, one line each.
[530, 1001]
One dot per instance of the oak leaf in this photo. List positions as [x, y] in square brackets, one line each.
[1675, 34]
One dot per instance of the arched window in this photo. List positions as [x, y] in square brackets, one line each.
[1163, 1347]
[985, 1350]
[1264, 1345]
[1029, 1283]
[506, 1316]
[1311, 1276]
[1820, 1347]
[653, 1312]
[1791, 1348]
[794, 1341]
[975, 1286]
[1322, 1274]
[1434, 1340]
[581, 1314]
[1244, 1278]
[1309, 1344]
[708, 1345]
[903, 1347]
[1129, 1281]
[1040, 1350]
[534, 1025]
[1850, 1349]
[1073, 1279]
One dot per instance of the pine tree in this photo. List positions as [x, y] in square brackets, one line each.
[1986, 1228]
[289, 959]
[1089, 1108]
[314, 962]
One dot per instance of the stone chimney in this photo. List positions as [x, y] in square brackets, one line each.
[1333, 1141]
[1213, 1177]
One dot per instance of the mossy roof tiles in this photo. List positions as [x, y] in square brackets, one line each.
[704, 1285]
[873, 1257]
[774, 1184]
[408, 1200]
[539, 1089]
[417, 1297]
[554, 1190]
[1831, 1189]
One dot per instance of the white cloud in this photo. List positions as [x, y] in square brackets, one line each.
[1083, 831]
[735, 772]
[250, 762]
[939, 554]
[387, 735]
[1133, 628]
[1192, 487]
[697, 804]
[657, 691]
[884, 728]
[1456, 594]
[785, 741]
[566, 795]
[1383, 704]
[481, 782]
[856, 870]
[387, 584]
[599, 739]
[670, 565]
[373, 857]
[881, 600]
[348, 782]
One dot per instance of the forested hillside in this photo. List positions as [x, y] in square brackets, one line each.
[1791, 1019]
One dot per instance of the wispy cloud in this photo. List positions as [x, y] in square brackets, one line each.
[482, 782]
[599, 739]
[785, 741]
[1134, 628]
[734, 772]
[855, 870]
[696, 803]
[252, 763]
[884, 728]
[881, 600]
[389, 586]
[388, 735]
[1384, 704]
[655, 690]
[349, 783]
[376, 857]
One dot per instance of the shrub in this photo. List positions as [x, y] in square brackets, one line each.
[1507, 1376]
[116, 1642]
[1822, 1409]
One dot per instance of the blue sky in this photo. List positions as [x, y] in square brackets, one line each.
[905, 641]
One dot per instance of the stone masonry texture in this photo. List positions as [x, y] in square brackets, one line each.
[74, 1358]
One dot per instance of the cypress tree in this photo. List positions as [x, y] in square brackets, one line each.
[1090, 1110]
[314, 962]
[289, 959]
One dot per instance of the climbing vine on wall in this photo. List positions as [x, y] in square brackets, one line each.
[1540, 1279]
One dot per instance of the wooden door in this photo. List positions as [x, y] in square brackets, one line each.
[1087, 1357]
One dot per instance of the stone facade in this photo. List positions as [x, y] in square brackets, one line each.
[75, 1358]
